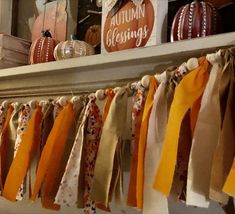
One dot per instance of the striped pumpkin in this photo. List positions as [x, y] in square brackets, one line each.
[72, 48]
[197, 19]
[42, 49]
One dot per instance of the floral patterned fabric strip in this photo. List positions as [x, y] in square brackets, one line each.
[137, 112]
[92, 140]
[22, 123]
[57, 109]
[138, 105]
[3, 112]
[68, 189]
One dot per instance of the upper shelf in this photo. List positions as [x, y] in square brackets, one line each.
[92, 72]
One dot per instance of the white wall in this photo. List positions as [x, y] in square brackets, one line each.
[27, 207]
[35, 208]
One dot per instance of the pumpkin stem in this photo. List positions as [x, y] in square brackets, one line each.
[46, 33]
[73, 37]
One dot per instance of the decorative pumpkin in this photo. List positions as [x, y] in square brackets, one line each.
[72, 48]
[128, 27]
[42, 49]
[93, 35]
[197, 19]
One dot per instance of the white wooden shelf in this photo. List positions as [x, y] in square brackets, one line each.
[98, 71]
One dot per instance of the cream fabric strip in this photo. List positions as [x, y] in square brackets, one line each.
[205, 138]
[154, 201]
[68, 190]
[224, 154]
[112, 135]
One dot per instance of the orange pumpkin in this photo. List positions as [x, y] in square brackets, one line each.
[72, 48]
[93, 35]
[130, 27]
[42, 49]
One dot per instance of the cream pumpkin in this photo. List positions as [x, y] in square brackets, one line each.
[72, 48]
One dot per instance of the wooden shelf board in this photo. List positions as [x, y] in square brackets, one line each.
[98, 71]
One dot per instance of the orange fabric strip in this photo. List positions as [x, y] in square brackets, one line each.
[56, 169]
[26, 150]
[194, 114]
[131, 198]
[187, 92]
[110, 95]
[142, 141]
[4, 145]
[51, 160]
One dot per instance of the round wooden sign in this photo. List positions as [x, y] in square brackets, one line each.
[130, 27]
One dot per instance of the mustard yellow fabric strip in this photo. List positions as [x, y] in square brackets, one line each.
[187, 92]
[229, 186]
[27, 148]
[143, 140]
